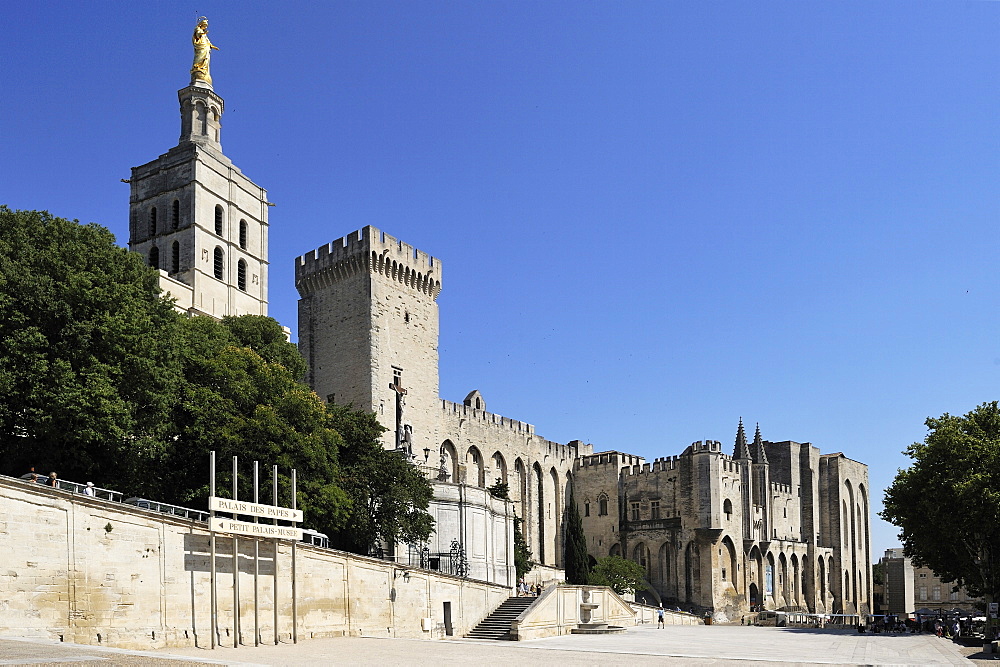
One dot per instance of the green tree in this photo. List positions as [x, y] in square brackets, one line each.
[265, 336]
[522, 554]
[878, 573]
[100, 379]
[623, 576]
[500, 489]
[389, 496]
[239, 404]
[88, 369]
[947, 503]
[576, 557]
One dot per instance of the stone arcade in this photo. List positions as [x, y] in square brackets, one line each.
[776, 524]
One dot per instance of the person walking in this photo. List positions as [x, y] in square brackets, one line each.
[89, 489]
[659, 617]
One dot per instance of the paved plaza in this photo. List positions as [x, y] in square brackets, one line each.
[689, 645]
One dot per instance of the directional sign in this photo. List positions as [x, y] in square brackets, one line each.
[254, 509]
[255, 529]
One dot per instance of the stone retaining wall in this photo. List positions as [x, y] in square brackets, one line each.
[93, 571]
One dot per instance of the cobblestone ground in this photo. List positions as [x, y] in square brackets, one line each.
[644, 645]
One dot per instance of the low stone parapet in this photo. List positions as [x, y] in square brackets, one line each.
[562, 609]
[645, 613]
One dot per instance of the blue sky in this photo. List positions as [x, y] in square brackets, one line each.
[654, 217]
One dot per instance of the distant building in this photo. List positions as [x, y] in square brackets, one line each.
[909, 588]
[777, 525]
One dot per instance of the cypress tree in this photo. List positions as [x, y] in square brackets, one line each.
[577, 566]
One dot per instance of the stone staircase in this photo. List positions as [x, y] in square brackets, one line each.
[497, 624]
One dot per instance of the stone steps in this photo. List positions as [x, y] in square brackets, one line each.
[497, 624]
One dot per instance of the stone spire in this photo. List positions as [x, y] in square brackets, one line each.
[758, 448]
[742, 450]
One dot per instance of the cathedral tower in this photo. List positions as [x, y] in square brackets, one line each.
[368, 329]
[194, 216]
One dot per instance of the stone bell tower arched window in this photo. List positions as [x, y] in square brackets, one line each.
[218, 220]
[175, 257]
[219, 264]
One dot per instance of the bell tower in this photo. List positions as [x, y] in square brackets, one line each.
[197, 218]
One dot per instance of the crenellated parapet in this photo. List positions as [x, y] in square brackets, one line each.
[372, 251]
[486, 418]
[713, 446]
[608, 460]
[785, 489]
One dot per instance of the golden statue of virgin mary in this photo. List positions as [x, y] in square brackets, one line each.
[202, 52]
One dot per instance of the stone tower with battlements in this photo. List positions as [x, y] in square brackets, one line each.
[368, 329]
[194, 216]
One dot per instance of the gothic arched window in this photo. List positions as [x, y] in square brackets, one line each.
[241, 275]
[243, 234]
[154, 256]
[175, 215]
[220, 263]
[175, 257]
[218, 221]
[152, 221]
[602, 505]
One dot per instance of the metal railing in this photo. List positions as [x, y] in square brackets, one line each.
[74, 487]
[167, 508]
[312, 537]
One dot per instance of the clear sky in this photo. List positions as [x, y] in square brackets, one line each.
[654, 217]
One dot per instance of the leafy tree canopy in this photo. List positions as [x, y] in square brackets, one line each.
[623, 576]
[88, 367]
[389, 497]
[265, 336]
[500, 489]
[947, 503]
[239, 404]
[101, 380]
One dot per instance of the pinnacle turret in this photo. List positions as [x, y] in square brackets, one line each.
[758, 448]
[741, 450]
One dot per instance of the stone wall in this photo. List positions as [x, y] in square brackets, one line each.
[92, 571]
[481, 523]
[481, 447]
[561, 609]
